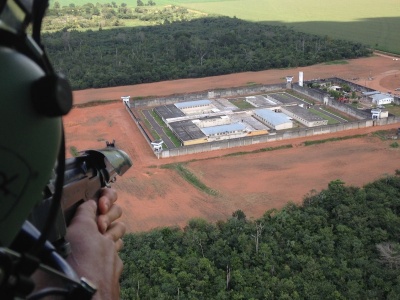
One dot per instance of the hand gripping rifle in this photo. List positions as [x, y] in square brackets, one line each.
[84, 177]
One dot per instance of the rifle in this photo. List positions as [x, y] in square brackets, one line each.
[84, 177]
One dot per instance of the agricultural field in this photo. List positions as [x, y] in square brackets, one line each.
[366, 21]
[369, 22]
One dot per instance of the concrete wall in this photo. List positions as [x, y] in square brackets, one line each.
[139, 125]
[220, 93]
[352, 85]
[350, 110]
[361, 88]
[259, 89]
[287, 135]
[319, 96]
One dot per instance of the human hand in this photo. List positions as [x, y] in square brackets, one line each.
[108, 213]
[95, 254]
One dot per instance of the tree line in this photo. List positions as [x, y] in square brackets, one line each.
[100, 16]
[341, 243]
[187, 49]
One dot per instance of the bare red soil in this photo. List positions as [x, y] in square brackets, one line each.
[379, 72]
[152, 196]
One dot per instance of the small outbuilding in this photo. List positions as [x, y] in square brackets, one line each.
[335, 88]
[380, 99]
[378, 113]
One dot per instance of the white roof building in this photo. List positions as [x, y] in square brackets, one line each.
[197, 107]
[190, 104]
[274, 120]
[380, 99]
[224, 129]
[224, 132]
[335, 88]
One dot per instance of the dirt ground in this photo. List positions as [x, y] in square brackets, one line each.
[378, 72]
[152, 196]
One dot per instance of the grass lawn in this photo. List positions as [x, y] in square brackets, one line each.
[393, 109]
[322, 115]
[241, 103]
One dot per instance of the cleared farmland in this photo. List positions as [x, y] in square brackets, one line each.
[366, 21]
[370, 22]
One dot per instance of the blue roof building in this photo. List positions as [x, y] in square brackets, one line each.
[229, 129]
[275, 120]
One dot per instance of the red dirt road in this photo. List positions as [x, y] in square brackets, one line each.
[378, 72]
[153, 197]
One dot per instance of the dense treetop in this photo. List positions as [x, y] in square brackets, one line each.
[342, 243]
[107, 15]
[186, 49]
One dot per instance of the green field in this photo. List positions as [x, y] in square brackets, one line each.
[371, 22]
[366, 21]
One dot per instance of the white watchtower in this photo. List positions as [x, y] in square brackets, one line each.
[289, 80]
[126, 101]
[301, 78]
[157, 145]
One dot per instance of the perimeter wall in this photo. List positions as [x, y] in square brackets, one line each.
[287, 135]
[222, 93]
[257, 89]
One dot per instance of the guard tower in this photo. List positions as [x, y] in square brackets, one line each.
[157, 145]
[301, 78]
[126, 101]
[289, 80]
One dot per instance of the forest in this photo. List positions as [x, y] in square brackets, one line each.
[186, 49]
[341, 243]
[108, 15]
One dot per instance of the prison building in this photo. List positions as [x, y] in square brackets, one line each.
[197, 107]
[335, 88]
[168, 112]
[368, 94]
[274, 120]
[380, 99]
[187, 132]
[212, 120]
[224, 132]
[247, 118]
[304, 116]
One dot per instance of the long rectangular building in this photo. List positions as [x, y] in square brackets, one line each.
[274, 120]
